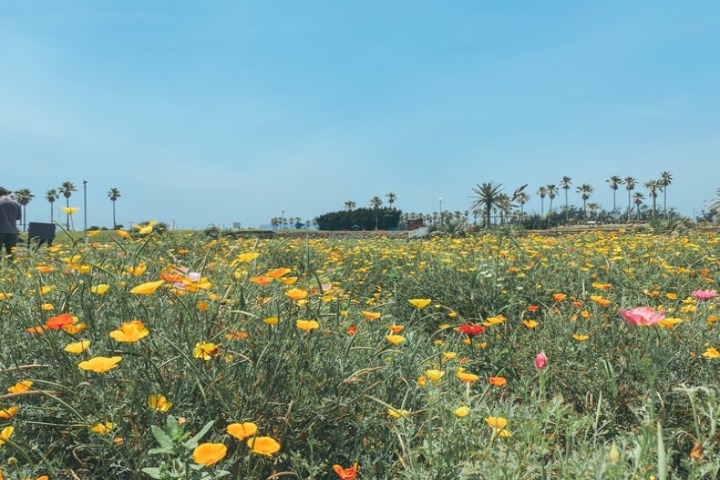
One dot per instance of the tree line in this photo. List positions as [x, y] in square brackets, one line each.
[23, 196]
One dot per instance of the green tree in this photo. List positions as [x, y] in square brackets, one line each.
[638, 198]
[486, 196]
[375, 204]
[113, 194]
[23, 197]
[653, 186]
[542, 193]
[552, 191]
[565, 185]
[614, 183]
[51, 195]
[391, 197]
[585, 190]
[522, 198]
[630, 183]
[665, 180]
[350, 205]
[66, 190]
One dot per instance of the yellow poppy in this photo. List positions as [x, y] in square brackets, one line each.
[130, 332]
[297, 294]
[77, 347]
[395, 339]
[69, 210]
[248, 257]
[497, 423]
[263, 445]
[434, 375]
[147, 288]
[419, 303]
[209, 453]
[102, 428]
[5, 434]
[711, 353]
[371, 315]
[307, 325]
[9, 412]
[462, 411]
[206, 350]
[99, 289]
[467, 377]
[100, 364]
[242, 431]
[19, 387]
[159, 402]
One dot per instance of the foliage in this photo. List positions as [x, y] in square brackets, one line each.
[390, 379]
[383, 218]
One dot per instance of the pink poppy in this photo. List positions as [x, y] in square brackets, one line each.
[704, 294]
[643, 316]
[541, 360]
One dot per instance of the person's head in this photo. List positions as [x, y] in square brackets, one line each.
[4, 191]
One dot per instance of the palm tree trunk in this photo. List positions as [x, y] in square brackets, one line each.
[114, 222]
[67, 204]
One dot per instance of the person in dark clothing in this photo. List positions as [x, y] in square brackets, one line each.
[10, 214]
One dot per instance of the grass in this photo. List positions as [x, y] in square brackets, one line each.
[224, 346]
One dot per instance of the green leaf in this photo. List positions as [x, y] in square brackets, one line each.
[162, 438]
[193, 442]
[160, 451]
[153, 472]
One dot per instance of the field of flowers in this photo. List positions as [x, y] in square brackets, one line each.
[590, 355]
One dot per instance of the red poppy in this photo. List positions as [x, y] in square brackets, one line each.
[352, 330]
[61, 321]
[471, 329]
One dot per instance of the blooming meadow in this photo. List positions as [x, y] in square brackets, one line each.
[591, 355]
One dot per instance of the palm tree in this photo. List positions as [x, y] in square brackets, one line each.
[375, 204]
[665, 180]
[565, 185]
[350, 205]
[486, 195]
[630, 183]
[542, 192]
[593, 208]
[51, 195]
[66, 190]
[615, 183]
[23, 197]
[503, 205]
[585, 190]
[522, 198]
[552, 191]
[391, 197]
[653, 186]
[113, 195]
[638, 198]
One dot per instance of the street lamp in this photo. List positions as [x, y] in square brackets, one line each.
[85, 210]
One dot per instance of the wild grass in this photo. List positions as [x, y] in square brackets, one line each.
[615, 400]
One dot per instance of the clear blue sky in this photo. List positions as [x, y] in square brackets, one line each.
[214, 112]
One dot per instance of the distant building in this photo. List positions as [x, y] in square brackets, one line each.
[414, 223]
